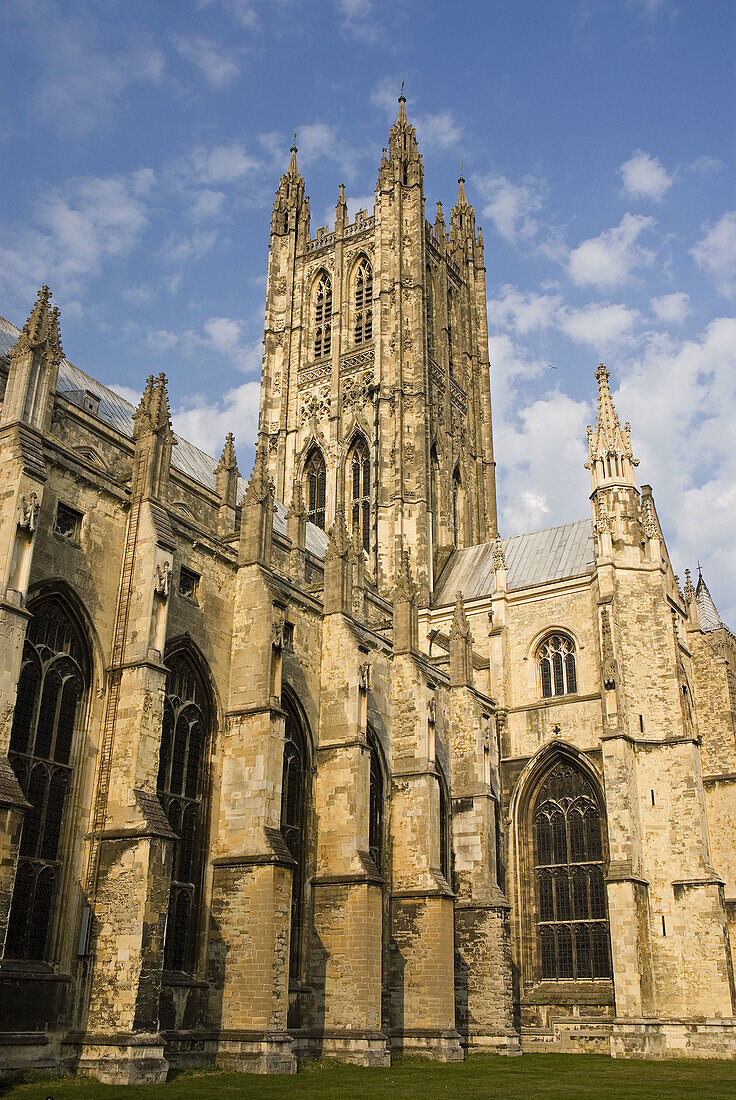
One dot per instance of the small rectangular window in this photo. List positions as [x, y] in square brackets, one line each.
[68, 523]
[188, 583]
[288, 635]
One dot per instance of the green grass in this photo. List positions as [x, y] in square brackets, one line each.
[532, 1077]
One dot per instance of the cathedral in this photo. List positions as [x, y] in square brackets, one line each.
[318, 764]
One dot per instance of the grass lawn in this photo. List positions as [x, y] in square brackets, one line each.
[543, 1076]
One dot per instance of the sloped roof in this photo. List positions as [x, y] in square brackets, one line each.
[708, 614]
[556, 553]
[115, 411]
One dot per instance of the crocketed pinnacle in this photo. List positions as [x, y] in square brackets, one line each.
[41, 330]
[297, 507]
[228, 460]
[460, 626]
[462, 198]
[338, 544]
[153, 413]
[342, 206]
[293, 170]
[440, 230]
[260, 487]
[608, 439]
[405, 590]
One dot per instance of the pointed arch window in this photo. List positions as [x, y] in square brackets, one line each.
[445, 826]
[323, 316]
[185, 735]
[450, 332]
[52, 687]
[434, 474]
[572, 917]
[293, 825]
[458, 506]
[430, 314]
[363, 303]
[557, 666]
[376, 802]
[315, 477]
[359, 470]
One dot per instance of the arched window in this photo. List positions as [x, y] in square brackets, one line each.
[430, 314]
[458, 506]
[185, 737]
[52, 685]
[375, 806]
[450, 332]
[557, 670]
[293, 825]
[359, 469]
[572, 917]
[363, 303]
[323, 316]
[445, 827]
[315, 477]
[434, 475]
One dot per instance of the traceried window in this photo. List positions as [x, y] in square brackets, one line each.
[315, 478]
[375, 809]
[557, 666]
[430, 314]
[572, 919]
[323, 317]
[363, 305]
[293, 825]
[52, 685]
[445, 826]
[184, 740]
[458, 506]
[359, 468]
[450, 333]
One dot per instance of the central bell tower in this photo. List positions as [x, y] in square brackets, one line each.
[375, 389]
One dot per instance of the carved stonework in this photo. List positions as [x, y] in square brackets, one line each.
[316, 403]
[162, 580]
[314, 372]
[608, 663]
[356, 391]
[28, 508]
[364, 676]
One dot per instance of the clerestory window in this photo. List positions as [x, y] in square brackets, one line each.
[557, 669]
[360, 494]
[293, 825]
[363, 303]
[323, 317]
[315, 477]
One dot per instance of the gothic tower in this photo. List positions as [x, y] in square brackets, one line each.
[375, 387]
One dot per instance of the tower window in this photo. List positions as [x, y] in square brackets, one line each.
[572, 918]
[445, 826]
[557, 666]
[360, 495]
[323, 317]
[51, 688]
[315, 476]
[375, 819]
[430, 314]
[450, 334]
[293, 821]
[188, 583]
[68, 523]
[184, 738]
[458, 507]
[363, 307]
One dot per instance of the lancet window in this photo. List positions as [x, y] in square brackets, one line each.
[557, 670]
[363, 303]
[376, 798]
[323, 316]
[52, 686]
[293, 825]
[430, 314]
[445, 827]
[458, 506]
[360, 494]
[315, 477]
[184, 738]
[572, 918]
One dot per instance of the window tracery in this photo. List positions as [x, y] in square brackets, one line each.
[376, 798]
[557, 666]
[293, 826]
[359, 467]
[315, 477]
[430, 315]
[52, 684]
[572, 916]
[445, 827]
[363, 303]
[323, 317]
[184, 736]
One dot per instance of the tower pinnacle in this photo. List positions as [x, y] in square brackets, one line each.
[610, 458]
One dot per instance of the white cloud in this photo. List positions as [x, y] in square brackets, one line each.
[514, 208]
[79, 226]
[222, 163]
[181, 248]
[206, 423]
[706, 164]
[385, 96]
[611, 258]
[523, 312]
[716, 254]
[207, 204]
[671, 308]
[438, 131]
[218, 66]
[317, 141]
[358, 18]
[599, 326]
[644, 176]
[221, 337]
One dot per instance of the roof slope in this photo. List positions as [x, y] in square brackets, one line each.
[535, 558]
[708, 613]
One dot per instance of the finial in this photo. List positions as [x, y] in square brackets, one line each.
[461, 177]
[293, 147]
[402, 97]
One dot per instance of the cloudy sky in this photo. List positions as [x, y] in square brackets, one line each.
[142, 143]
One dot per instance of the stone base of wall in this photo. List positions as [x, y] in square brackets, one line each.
[122, 1059]
[26, 1052]
[361, 1048]
[442, 1046]
[566, 1036]
[185, 1049]
[509, 1043]
[256, 1052]
[647, 1038]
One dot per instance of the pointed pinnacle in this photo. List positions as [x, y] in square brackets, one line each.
[42, 328]
[460, 626]
[159, 406]
[339, 544]
[297, 508]
[405, 590]
[228, 461]
[260, 487]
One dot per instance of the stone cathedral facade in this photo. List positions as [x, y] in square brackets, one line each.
[318, 764]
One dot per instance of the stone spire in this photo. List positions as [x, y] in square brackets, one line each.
[41, 330]
[153, 413]
[404, 162]
[708, 613]
[461, 647]
[291, 205]
[440, 230]
[256, 519]
[260, 487]
[341, 210]
[293, 170]
[154, 440]
[226, 483]
[462, 218]
[406, 619]
[610, 458]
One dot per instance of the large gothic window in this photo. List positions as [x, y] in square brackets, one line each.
[51, 689]
[184, 740]
[557, 669]
[375, 808]
[315, 477]
[450, 333]
[293, 825]
[458, 506]
[430, 315]
[572, 919]
[323, 316]
[359, 467]
[363, 303]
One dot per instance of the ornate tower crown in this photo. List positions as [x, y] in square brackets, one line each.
[610, 457]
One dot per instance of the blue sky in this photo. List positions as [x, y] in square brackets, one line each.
[142, 143]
